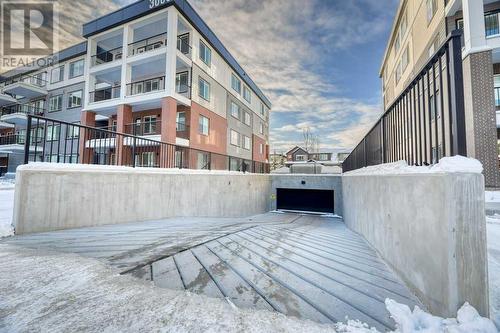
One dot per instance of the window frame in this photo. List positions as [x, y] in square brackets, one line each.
[72, 64]
[61, 74]
[200, 91]
[237, 136]
[246, 140]
[238, 109]
[201, 125]
[205, 56]
[236, 81]
[246, 89]
[70, 106]
[49, 109]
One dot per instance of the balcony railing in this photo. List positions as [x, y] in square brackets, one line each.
[183, 44]
[182, 85]
[146, 86]
[105, 94]
[147, 44]
[22, 108]
[12, 139]
[182, 130]
[144, 128]
[107, 56]
[34, 80]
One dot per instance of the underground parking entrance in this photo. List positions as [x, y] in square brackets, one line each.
[305, 200]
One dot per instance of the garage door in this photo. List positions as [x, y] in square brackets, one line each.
[320, 201]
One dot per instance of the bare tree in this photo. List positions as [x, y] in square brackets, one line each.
[311, 140]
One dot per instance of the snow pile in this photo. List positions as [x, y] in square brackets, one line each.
[66, 292]
[7, 184]
[468, 320]
[282, 170]
[6, 210]
[493, 219]
[492, 196]
[446, 164]
[493, 231]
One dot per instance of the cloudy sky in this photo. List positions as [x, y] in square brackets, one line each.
[316, 60]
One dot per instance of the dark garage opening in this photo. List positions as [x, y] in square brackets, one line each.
[320, 201]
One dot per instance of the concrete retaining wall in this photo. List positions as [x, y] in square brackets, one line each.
[430, 228]
[309, 182]
[52, 197]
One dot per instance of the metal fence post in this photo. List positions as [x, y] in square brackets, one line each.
[133, 151]
[456, 95]
[27, 141]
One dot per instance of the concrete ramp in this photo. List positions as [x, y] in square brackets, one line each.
[305, 266]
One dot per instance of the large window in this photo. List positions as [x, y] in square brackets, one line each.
[247, 94]
[76, 68]
[55, 103]
[72, 132]
[491, 24]
[205, 53]
[246, 142]
[204, 125]
[149, 125]
[248, 119]
[235, 83]
[235, 138]
[75, 99]
[57, 74]
[496, 81]
[53, 132]
[262, 109]
[204, 89]
[235, 110]
[431, 9]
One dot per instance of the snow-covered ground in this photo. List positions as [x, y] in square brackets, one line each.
[54, 292]
[6, 208]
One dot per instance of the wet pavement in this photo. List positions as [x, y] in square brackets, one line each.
[300, 265]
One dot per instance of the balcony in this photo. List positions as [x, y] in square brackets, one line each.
[12, 139]
[183, 45]
[146, 86]
[26, 86]
[17, 114]
[6, 99]
[182, 131]
[182, 86]
[104, 57]
[144, 128]
[105, 94]
[147, 44]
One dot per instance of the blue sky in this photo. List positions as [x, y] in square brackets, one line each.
[316, 60]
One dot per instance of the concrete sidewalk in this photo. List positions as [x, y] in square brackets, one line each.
[309, 267]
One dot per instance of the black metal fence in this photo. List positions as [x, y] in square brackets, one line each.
[56, 141]
[426, 121]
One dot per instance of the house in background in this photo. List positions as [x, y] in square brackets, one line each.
[277, 160]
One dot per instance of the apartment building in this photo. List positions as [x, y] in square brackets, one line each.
[151, 69]
[420, 29]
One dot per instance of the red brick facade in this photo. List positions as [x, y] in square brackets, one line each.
[216, 141]
[256, 149]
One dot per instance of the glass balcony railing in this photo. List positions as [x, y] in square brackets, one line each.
[22, 108]
[104, 94]
[35, 80]
[183, 44]
[182, 85]
[182, 130]
[107, 56]
[146, 86]
[147, 44]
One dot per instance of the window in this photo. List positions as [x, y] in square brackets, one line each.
[55, 103]
[496, 82]
[248, 119]
[75, 99]
[300, 157]
[203, 161]
[53, 132]
[262, 109]
[247, 94]
[235, 84]
[150, 125]
[403, 26]
[76, 68]
[204, 89]
[57, 74]
[246, 142]
[261, 148]
[148, 159]
[261, 128]
[405, 60]
[235, 138]
[398, 72]
[235, 110]
[205, 53]
[72, 132]
[491, 24]
[204, 125]
[397, 43]
[181, 122]
[431, 9]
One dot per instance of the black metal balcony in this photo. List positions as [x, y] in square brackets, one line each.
[144, 128]
[183, 44]
[107, 56]
[147, 44]
[22, 108]
[146, 86]
[12, 139]
[105, 94]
